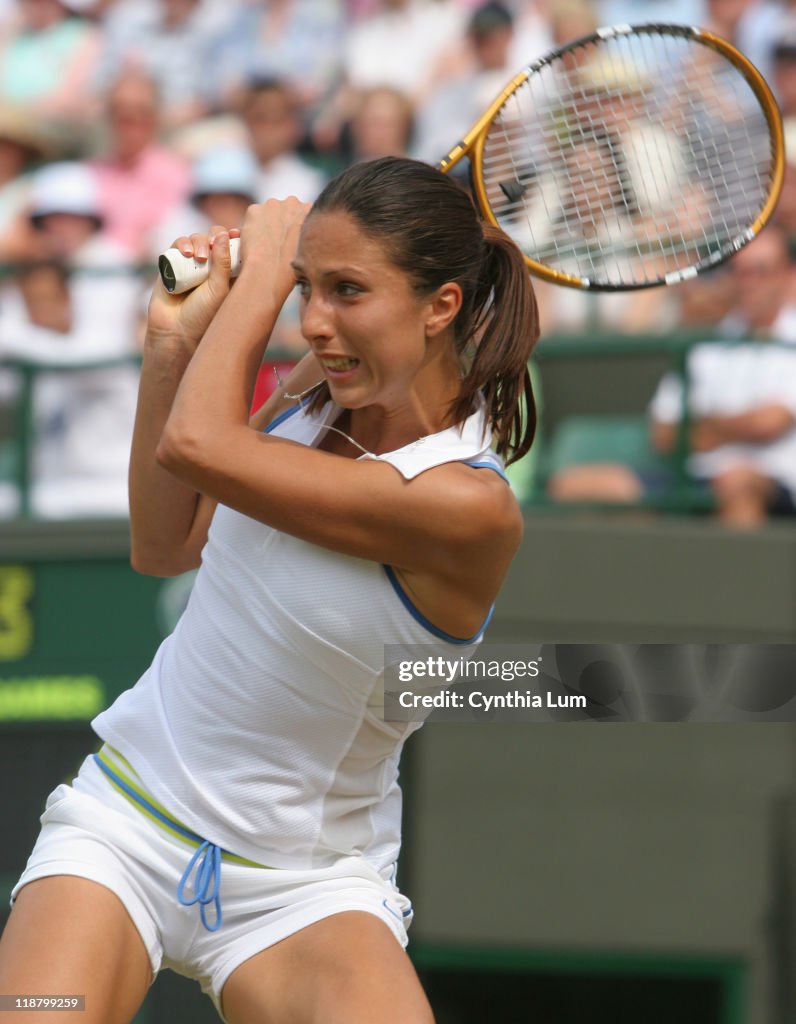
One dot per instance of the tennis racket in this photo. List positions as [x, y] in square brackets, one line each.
[633, 157]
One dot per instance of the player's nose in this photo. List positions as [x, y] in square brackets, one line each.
[316, 319]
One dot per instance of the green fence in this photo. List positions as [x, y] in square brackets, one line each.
[592, 392]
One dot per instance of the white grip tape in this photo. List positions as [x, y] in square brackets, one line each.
[180, 273]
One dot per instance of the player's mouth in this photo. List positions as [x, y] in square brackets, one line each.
[339, 367]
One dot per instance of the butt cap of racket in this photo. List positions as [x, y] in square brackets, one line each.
[180, 273]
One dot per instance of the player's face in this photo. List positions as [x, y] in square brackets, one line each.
[359, 313]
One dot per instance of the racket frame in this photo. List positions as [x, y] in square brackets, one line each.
[472, 146]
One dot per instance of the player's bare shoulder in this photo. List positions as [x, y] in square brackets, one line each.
[486, 501]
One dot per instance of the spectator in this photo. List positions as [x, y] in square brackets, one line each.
[272, 116]
[447, 114]
[47, 58]
[168, 40]
[783, 81]
[750, 25]
[76, 306]
[296, 41]
[534, 27]
[382, 125]
[24, 142]
[410, 46]
[762, 280]
[785, 213]
[608, 185]
[742, 401]
[571, 19]
[400, 43]
[67, 218]
[783, 73]
[224, 183]
[140, 181]
[635, 12]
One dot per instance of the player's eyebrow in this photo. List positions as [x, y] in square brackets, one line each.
[298, 267]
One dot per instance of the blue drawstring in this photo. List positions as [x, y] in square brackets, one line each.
[208, 868]
[206, 884]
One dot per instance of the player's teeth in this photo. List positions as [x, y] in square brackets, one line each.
[340, 364]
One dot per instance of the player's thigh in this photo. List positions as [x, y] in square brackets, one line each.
[345, 969]
[71, 936]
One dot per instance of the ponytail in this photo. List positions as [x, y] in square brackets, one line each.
[504, 327]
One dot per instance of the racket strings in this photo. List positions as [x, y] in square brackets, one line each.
[629, 159]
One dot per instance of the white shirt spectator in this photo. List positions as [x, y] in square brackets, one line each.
[82, 419]
[288, 175]
[399, 46]
[728, 378]
[135, 35]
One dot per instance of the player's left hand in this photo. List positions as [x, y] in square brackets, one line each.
[269, 238]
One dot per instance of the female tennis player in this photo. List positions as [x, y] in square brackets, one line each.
[241, 822]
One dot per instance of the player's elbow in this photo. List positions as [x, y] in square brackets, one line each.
[181, 450]
[152, 560]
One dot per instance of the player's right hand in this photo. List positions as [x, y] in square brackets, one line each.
[186, 317]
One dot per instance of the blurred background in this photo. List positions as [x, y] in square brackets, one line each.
[561, 874]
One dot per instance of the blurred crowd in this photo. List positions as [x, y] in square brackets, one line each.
[125, 123]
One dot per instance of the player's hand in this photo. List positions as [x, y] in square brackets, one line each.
[186, 317]
[269, 239]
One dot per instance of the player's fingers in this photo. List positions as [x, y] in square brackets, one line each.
[195, 245]
[184, 244]
[221, 263]
[201, 246]
[219, 229]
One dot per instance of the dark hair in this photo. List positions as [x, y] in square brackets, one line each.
[488, 18]
[260, 85]
[430, 229]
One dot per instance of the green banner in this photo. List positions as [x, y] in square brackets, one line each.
[75, 634]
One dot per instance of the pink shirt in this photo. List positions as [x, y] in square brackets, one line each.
[135, 199]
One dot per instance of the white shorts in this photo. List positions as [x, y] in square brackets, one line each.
[91, 830]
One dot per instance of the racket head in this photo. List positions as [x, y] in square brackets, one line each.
[634, 157]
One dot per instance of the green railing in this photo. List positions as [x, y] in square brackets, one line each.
[610, 365]
[596, 375]
[16, 450]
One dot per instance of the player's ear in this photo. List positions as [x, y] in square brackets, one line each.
[443, 307]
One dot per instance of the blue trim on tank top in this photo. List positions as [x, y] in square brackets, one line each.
[406, 601]
[404, 598]
[489, 465]
[282, 417]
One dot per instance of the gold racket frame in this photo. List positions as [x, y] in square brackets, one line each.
[472, 145]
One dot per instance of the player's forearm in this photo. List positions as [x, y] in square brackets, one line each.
[163, 511]
[214, 397]
[215, 393]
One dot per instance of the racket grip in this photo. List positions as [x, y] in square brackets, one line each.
[180, 273]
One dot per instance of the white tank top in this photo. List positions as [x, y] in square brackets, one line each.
[257, 725]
